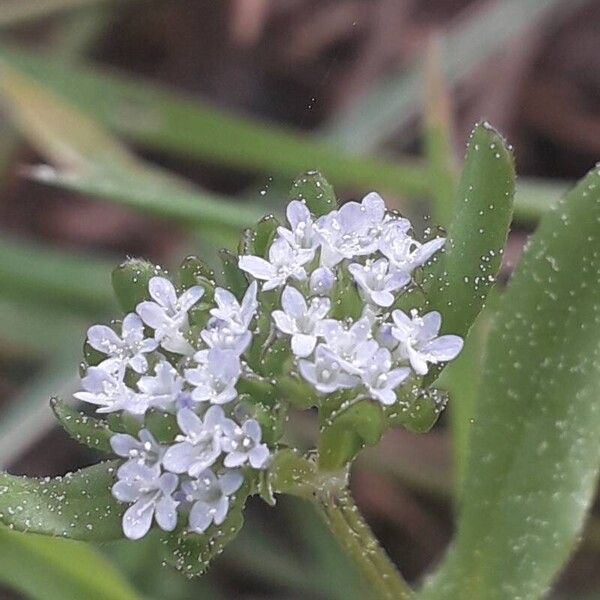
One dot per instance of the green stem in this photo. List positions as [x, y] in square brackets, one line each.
[355, 536]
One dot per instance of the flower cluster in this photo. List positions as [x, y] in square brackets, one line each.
[164, 359]
[378, 351]
[193, 379]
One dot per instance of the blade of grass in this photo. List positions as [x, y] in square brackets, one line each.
[89, 160]
[15, 12]
[47, 568]
[28, 417]
[49, 276]
[437, 134]
[170, 122]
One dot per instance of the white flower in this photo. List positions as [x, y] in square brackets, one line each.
[163, 390]
[376, 283]
[103, 386]
[322, 281]
[326, 373]
[130, 347]
[145, 450]
[209, 496]
[302, 235]
[299, 320]
[200, 446]
[214, 380]
[284, 262]
[152, 496]
[237, 316]
[350, 345]
[419, 342]
[218, 334]
[353, 230]
[242, 445]
[380, 379]
[168, 314]
[404, 253]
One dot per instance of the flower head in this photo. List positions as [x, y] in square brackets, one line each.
[300, 320]
[151, 495]
[302, 235]
[242, 445]
[375, 283]
[168, 314]
[325, 373]
[145, 450]
[236, 315]
[380, 379]
[284, 262]
[163, 390]
[200, 445]
[418, 341]
[129, 348]
[209, 496]
[215, 378]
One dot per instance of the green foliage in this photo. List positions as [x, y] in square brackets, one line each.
[130, 282]
[313, 189]
[78, 506]
[87, 430]
[46, 568]
[191, 553]
[534, 453]
[466, 270]
[346, 430]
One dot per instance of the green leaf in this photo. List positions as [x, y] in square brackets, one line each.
[347, 430]
[130, 281]
[87, 430]
[534, 452]
[43, 568]
[78, 506]
[291, 473]
[191, 553]
[466, 269]
[233, 277]
[313, 189]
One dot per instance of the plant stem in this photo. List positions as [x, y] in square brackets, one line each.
[356, 538]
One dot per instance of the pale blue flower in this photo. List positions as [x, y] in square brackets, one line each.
[325, 372]
[163, 390]
[215, 378]
[300, 320]
[145, 450]
[376, 283]
[404, 253]
[242, 445]
[130, 347]
[380, 379]
[353, 230]
[284, 262]
[104, 387]
[236, 315]
[419, 342]
[218, 334]
[168, 314]
[302, 235]
[151, 496]
[209, 496]
[351, 345]
[200, 445]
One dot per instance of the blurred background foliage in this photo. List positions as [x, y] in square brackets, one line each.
[157, 127]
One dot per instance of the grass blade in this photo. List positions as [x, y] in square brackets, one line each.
[53, 569]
